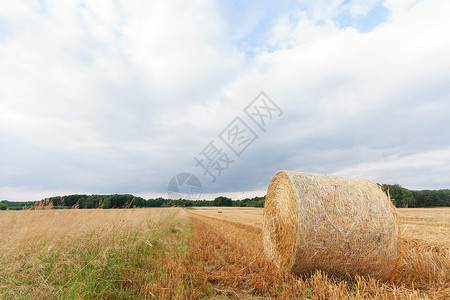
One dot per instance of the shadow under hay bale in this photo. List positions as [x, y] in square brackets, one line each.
[343, 226]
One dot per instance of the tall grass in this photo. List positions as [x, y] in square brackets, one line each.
[88, 254]
[163, 254]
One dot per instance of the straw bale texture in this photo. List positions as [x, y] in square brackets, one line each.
[343, 226]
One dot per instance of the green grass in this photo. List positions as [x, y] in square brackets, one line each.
[97, 266]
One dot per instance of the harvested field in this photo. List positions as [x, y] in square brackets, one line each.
[432, 224]
[423, 273]
[245, 215]
[193, 254]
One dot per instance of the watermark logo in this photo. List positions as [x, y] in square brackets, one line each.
[213, 161]
[238, 136]
[262, 110]
[221, 153]
[184, 186]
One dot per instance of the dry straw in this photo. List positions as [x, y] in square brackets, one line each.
[343, 226]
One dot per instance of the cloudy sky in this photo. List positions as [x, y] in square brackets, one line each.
[121, 96]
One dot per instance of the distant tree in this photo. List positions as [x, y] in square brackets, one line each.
[3, 206]
[90, 202]
[223, 201]
[158, 202]
[400, 196]
[56, 201]
[426, 198]
[107, 202]
[71, 200]
[202, 203]
[138, 202]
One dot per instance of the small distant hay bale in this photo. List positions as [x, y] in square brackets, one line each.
[343, 226]
[219, 211]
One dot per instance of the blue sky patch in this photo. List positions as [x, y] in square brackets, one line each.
[364, 23]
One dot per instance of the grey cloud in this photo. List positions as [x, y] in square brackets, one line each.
[107, 100]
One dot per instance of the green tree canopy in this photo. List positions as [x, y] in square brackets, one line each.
[400, 196]
[223, 201]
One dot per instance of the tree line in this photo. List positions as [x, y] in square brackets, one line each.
[400, 196]
[403, 197]
[126, 201]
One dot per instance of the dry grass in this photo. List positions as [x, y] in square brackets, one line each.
[88, 254]
[245, 215]
[423, 273]
[156, 254]
[425, 248]
[426, 224]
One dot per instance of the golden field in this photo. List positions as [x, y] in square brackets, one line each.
[176, 253]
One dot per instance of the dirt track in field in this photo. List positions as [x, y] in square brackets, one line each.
[248, 215]
[427, 224]
[235, 262]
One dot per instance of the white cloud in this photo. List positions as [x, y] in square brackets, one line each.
[119, 96]
[177, 46]
[355, 92]
[416, 169]
[400, 6]
[362, 7]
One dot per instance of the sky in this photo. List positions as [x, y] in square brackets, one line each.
[214, 97]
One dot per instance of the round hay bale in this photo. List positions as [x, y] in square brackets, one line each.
[343, 226]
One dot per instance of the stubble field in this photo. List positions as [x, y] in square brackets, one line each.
[199, 253]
